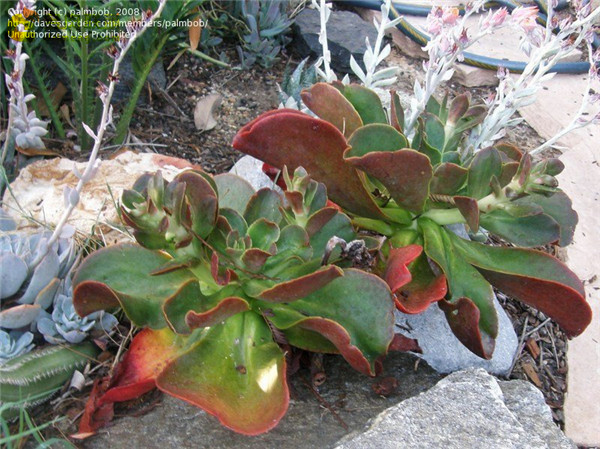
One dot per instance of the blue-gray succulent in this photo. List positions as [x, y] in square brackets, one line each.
[14, 344]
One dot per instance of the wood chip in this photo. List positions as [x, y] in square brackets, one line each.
[533, 348]
[532, 374]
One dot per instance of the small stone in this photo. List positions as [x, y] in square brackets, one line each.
[346, 33]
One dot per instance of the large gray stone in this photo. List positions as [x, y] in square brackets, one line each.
[445, 353]
[467, 409]
[346, 33]
[308, 424]
[250, 169]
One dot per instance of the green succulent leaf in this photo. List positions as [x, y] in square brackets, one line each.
[485, 164]
[234, 192]
[559, 207]
[434, 132]
[365, 101]
[202, 200]
[236, 372]
[396, 112]
[374, 137]
[406, 174]
[264, 234]
[470, 310]
[529, 231]
[448, 179]
[352, 311]
[328, 103]
[535, 278]
[120, 275]
[264, 204]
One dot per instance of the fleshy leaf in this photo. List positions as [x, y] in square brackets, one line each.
[559, 207]
[415, 292]
[263, 204]
[300, 287]
[120, 275]
[263, 233]
[234, 192]
[448, 179]
[236, 373]
[470, 311]
[353, 312]
[396, 112]
[531, 230]
[365, 101]
[294, 139]
[405, 173]
[485, 164]
[226, 308]
[374, 137]
[202, 200]
[469, 209]
[328, 103]
[534, 277]
[149, 353]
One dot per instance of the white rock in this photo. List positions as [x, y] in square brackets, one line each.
[39, 189]
[250, 169]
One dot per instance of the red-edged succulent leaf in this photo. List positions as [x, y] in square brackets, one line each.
[396, 112]
[234, 192]
[559, 207]
[225, 308]
[301, 287]
[458, 108]
[264, 204]
[263, 233]
[339, 225]
[509, 152]
[328, 103]
[528, 230]
[120, 275]
[366, 102]
[221, 275]
[319, 219]
[405, 173]
[470, 311]
[509, 170]
[534, 277]
[254, 259]
[422, 287]
[354, 312]
[448, 178]
[149, 353]
[396, 271]
[469, 209]
[485, 164]
[202, 200]
[292, 139]
[236, 373]
[374, 137]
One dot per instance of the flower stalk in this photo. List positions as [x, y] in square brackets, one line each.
[134, 29]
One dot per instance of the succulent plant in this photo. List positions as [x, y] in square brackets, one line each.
[409, 188]
[293, 83]
[39, 374]
[33, 289]
[267, 22]
[64, 325]
[14, 344]
[222, 277]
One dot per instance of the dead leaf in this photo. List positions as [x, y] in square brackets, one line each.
[64, 110]
[56, 97]
[203, 114]
[30, 152]
[195, 31]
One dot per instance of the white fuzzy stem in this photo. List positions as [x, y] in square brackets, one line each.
[106, 117]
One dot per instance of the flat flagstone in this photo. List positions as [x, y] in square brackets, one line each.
[555, 107]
